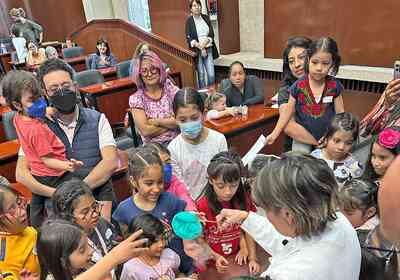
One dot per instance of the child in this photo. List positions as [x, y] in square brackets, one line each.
[17, 240]
[192, 150]
[43, 150]
[64, 253]
[258, 163]
[358, 201]
[338, 141]
[216, 107]
[146, 176]
[73, 201]
[158, 262]
[316, 97]
[225, 190]
[171, 183]
[383, 151]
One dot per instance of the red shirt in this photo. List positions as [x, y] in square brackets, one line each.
[227, 241]
[37, 140]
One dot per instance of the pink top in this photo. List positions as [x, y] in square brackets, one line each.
[37, 140]
[179, 189]
[156, 109]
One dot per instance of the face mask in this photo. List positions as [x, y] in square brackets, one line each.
[167, 173]
[64, 100]
[38, 108]
[192, 129]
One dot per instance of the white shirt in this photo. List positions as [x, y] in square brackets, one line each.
[333, 255]
[202, 30]
[106, 137]
[190, 161]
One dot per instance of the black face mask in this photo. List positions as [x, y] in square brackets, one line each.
[64, 100]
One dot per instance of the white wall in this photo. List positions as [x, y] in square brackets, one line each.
[251, 19]
[98, 9]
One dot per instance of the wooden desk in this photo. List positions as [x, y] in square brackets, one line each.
[5, 58]
[109, 73]
[242, 132]
[121, 185]
[111, 98]
[8, 159]
[78, 63]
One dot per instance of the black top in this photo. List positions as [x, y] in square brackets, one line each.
[253, 92]
[191, 34]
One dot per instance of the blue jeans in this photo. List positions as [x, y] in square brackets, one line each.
[206, 64]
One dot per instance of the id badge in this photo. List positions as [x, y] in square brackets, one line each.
[327, 99]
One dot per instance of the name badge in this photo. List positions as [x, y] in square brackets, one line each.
[327, 99]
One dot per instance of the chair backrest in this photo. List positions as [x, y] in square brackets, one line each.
[123, 69]
[72, 52]
[88, 60]
[137, 140]
[88, 77]
[8, 124]
[224, 84]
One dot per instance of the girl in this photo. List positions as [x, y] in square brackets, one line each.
[358, 201]
[64, 253]
[338, 141]
[158, 262]
[171, 183]
[192, 150]
[103, 57]
[17, 240]
[216, 107]
[146, 176]
[383, 151]
[225, 189]
[73, 201]
[316, 97]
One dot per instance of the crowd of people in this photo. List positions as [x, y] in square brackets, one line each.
[314, 212]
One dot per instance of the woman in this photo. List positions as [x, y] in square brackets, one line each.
[103, 57]
[200, 38]
[294, 56]
[302, 231]
[23, 27]
[242, 89]
[36, 56]
[151, 104]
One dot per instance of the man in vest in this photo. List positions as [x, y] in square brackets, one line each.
[86, 135]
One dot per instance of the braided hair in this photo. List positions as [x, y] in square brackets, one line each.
[66, 197]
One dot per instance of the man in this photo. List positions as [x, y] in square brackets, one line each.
[388, 201]
[86, 135]
[26, 28]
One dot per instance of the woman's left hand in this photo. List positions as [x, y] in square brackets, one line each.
[230, 216]
[392, 92]
[241, 257]
[254, 267]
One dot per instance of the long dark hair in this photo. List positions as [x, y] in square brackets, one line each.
[188, 96]
[152, 227]
[292, 42]
[57, 240]
[224, 164]
[325, 44]
[103, 41]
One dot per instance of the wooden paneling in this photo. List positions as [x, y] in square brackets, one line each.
[364, 30]
[168, 19]
[228, 26]
[123, 38]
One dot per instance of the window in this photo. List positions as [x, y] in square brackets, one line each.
[138, 12]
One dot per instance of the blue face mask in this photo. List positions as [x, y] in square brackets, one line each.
[167, 173]
[38, 108]
[192, 129]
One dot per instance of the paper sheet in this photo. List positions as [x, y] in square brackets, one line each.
[252, 153]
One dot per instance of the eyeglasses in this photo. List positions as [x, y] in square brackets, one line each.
[91, 211]
[65, 85]
[20, 204]
[149, 71]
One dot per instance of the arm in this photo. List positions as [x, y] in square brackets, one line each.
[169, 123]
[24, 176]
[104, 169]
[143, 125]
[220, 114]
[56, 163]
[339, 106]
[258, 92]
[37, 28]
[297, 131]
[283, 121]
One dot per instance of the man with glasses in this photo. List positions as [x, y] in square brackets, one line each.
[86, 135]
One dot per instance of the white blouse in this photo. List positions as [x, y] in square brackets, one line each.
[333, 255]
[202, 30]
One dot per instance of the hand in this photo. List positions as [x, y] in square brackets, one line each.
[50, 112]
[321, 142]
[254, 267]
[233, 110]
[74, 165]
[241, 257]
[27, 275]
[392, 92]
[153, 122]
[230, 216]
[129, 248]
[271, 138]
[221, 264]
[203, 52]
[22, 19]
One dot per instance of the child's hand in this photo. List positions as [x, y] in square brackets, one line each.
[254, 267]
[241, 257]
[50, 112]
[74, 165]
[27, 275]
[221, 264]
[233, 111]
[271, 138]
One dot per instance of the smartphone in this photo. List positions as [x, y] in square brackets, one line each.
[396, 70]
